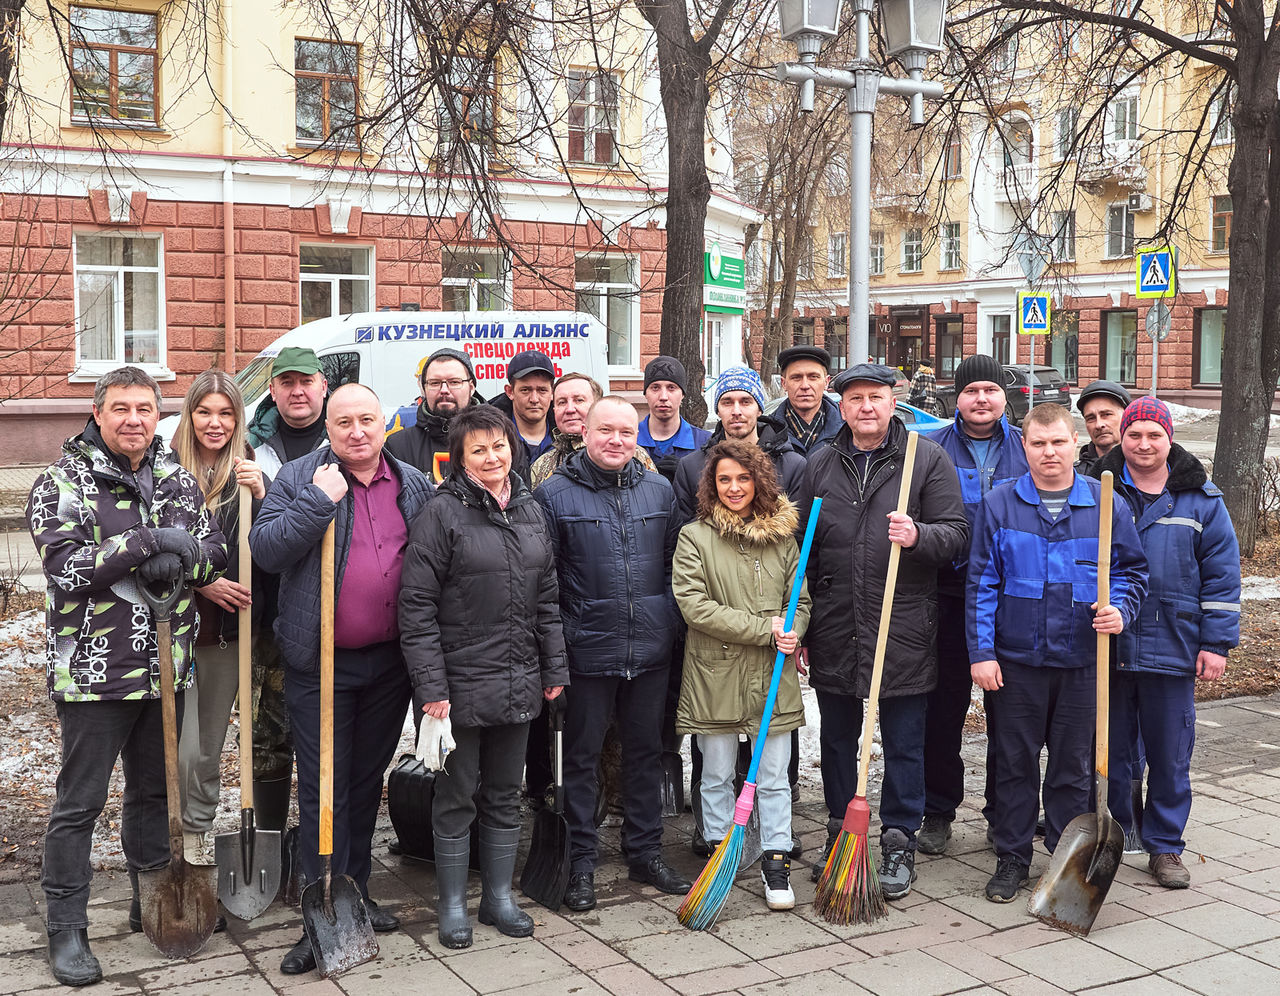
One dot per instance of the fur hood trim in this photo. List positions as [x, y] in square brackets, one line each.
[761, 530]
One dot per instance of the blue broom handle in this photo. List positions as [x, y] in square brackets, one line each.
[776, 681]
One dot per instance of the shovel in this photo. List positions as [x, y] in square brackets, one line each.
[672, 784]
[546, 870]
[179, 901]
[333, 910]
[248, 861]
[1070, 894]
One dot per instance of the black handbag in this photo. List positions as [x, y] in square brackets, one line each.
[410, 789]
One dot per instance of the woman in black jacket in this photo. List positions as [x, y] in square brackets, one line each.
[480, 630]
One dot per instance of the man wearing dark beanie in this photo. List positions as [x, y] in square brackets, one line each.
[667, 436]
[987, 452]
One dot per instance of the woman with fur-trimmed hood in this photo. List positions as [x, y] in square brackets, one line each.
[732, 576]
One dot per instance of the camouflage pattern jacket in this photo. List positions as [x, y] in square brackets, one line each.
[92, 528]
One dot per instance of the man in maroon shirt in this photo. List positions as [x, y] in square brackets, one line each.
[371, 498]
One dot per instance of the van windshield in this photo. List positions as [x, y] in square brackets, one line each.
[253, 379]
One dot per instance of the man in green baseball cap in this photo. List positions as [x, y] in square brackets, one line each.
[298, 359]
[294, 425]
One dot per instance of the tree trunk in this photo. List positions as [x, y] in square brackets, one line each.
[683, 70]
[10, 16]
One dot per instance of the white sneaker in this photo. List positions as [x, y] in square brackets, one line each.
[775, 869]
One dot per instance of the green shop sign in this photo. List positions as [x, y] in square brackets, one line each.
[723, 282]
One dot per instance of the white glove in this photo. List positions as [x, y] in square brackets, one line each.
[435, 741]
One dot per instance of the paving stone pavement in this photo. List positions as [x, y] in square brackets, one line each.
[1221, 934]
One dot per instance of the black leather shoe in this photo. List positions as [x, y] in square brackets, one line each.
[299, 959]
[135, 919]
[381, 921]
[580, 895]
[72, 962]
[657, 873]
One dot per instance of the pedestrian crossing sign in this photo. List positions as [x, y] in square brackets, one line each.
[1033, 314]
[1156, 274]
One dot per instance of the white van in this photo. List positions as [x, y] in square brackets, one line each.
[385, 349]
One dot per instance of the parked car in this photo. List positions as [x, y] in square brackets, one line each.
[915, 419]
[1049, 387]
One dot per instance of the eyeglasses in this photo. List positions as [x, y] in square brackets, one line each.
[452, 385]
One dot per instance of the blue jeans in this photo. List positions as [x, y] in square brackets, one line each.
[1162, 711]
[902, 725]
[773, 792]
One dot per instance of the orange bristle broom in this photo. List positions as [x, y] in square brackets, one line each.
[849, 889]
[702, 906]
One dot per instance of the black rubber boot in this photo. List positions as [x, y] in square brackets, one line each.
[497, 865]
[72, 962]
[135, 906]
[451, 890]
[271, 802]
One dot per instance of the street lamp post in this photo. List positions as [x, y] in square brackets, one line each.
[913, 29]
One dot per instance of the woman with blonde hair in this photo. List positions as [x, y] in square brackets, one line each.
[732, 576]
[210, 442]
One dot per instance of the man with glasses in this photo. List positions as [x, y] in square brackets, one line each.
[419, 435]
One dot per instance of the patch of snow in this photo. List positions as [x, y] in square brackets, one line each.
[1254, 587]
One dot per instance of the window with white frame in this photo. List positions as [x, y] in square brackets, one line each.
[876, 253]
[1122, 118]
[607, 286]
[1119, 231]
[1005, 57]
[950, 246]
[913, 250]
[473, 280]
[837, 254]
[1068, 123]
[464, 107]
[1063, 236]
[1224, 132]
[593, 117]
[336, 280]
[119, 301]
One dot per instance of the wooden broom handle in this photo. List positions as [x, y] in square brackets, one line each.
[326, 693]
[1102, 732]
[886, 613]
[245, 649]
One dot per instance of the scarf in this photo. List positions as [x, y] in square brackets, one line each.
[502, 496]
[806, 434]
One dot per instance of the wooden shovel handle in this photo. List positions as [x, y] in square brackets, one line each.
[886, 613]
[245, 649]
[1102, 723]
[326, 693]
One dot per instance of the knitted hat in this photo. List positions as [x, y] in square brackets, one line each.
[665, 368]
[978, 367]
[1148, 410]
[449, 354]
[738, 379]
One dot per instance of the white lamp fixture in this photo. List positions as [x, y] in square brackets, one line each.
[809, 17]
[912, 24]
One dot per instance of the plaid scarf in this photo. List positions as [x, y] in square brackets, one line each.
[806, 432]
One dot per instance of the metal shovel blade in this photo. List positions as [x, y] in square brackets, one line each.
[1070, 894]
[672, 784]
[546, 871]
[179, 906]
[248, 862]
[337, 925]
[291, 863]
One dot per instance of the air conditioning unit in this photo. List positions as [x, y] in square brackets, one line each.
[1139, 203]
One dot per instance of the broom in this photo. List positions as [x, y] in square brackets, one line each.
[849, 889]
[702, 906]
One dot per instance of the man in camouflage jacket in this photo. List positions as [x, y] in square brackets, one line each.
[113, 513]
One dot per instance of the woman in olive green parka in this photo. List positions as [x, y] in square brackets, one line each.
[732, 576]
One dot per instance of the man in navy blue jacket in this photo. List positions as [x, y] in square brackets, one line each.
[613, 527]
[987, 452]
[1031, 618]
[1185, 628]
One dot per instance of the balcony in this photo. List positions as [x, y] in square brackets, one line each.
[905, 196]
[1116, 164]
[1017, 184]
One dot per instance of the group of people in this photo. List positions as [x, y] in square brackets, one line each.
[552, 549]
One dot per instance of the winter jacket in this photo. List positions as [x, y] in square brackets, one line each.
[850, 556]
[773, 439]
[614, 534]
[830, 428]
[263, 434]
[286, 539]
[1194, 564]
[689, 438]
[563, 445]
[923, 392]
[531, 450]
[480, 605]
[1006, 462]
[1032, 580]
[730, 578]
[1088, 460]
[422, 441]
[92, 527]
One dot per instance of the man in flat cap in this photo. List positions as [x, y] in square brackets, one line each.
[663, 432]
[812, 419]
[858, 477]
[1101, 404]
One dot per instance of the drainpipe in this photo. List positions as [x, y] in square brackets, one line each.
[228, 198]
